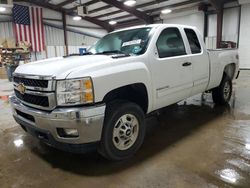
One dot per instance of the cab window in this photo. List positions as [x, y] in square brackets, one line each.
[170, 43]
[193, 41]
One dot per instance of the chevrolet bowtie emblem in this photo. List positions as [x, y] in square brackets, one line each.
[21, 88]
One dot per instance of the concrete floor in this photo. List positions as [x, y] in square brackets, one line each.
[192, 144]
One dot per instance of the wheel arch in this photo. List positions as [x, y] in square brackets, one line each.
[136, 92]
[229, 70]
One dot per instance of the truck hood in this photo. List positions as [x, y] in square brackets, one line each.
[61, 67]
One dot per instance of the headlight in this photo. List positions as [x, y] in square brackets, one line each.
[73, 92]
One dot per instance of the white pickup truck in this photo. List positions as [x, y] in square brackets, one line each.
[100, 99]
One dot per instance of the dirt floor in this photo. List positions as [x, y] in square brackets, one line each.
[192, 144]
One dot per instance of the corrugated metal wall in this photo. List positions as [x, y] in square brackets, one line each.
[54, 36]
[244, 43]
[76, 39]
[6, 30]
[55, 41]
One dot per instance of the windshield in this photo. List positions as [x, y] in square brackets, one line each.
[129, 42]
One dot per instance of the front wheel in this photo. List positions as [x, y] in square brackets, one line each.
[123, 131]
[222, 94]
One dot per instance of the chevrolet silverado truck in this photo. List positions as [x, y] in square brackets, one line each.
[100, 99]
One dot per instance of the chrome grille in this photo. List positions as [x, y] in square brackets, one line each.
[39, 93]
[33, 99]
[31, 82]
[36, 83]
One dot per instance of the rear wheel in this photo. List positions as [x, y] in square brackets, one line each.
[222, 94]
[123, 131]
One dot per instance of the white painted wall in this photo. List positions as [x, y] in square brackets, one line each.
[243, 2]
[230, 27]
[244, 44]
[195, 18]
[230, 24]
[191, 17]
[229, 32]
[212, 32]
[212, 25]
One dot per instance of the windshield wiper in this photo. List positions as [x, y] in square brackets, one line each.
[70, 55]
[112, 52]
[120, 56]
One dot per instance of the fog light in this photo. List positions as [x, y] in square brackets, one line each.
[67, 133]
[71, 132]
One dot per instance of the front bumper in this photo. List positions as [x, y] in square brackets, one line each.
[44, 125]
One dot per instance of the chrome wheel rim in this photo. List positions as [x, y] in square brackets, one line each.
[125, 132]
[227, 90]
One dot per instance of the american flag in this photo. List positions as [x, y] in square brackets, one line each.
[28, 26]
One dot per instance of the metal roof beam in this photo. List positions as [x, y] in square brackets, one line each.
[129, 23]
[173, 5]
[150, 10]
[108, 14]
[217, 4]
[132, 10]
[139, 6]
[84, 4]
[65, 3]
[100, 9]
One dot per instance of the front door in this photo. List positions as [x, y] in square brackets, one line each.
[171, 69]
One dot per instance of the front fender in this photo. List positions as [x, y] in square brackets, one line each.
[108, 79]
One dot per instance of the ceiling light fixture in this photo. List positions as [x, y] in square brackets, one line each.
[2, 9]
[112, 22]
[130, 3]
[77, 18]
[166, 11]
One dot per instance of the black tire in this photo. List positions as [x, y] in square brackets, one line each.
[114, 111]
[219, 94]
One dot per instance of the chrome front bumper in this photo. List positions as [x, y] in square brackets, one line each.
[87, 120]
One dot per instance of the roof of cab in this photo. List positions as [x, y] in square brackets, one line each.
[153, 26]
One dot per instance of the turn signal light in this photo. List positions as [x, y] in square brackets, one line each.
[87, 84]
[89, 97]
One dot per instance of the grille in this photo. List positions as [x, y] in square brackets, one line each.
[31, 82]
[33, 99]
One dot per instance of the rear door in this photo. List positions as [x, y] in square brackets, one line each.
[171, 68]
[200, 61]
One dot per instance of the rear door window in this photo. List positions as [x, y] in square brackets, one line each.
[193, 41]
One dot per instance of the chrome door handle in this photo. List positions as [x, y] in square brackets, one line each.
[186, 64]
